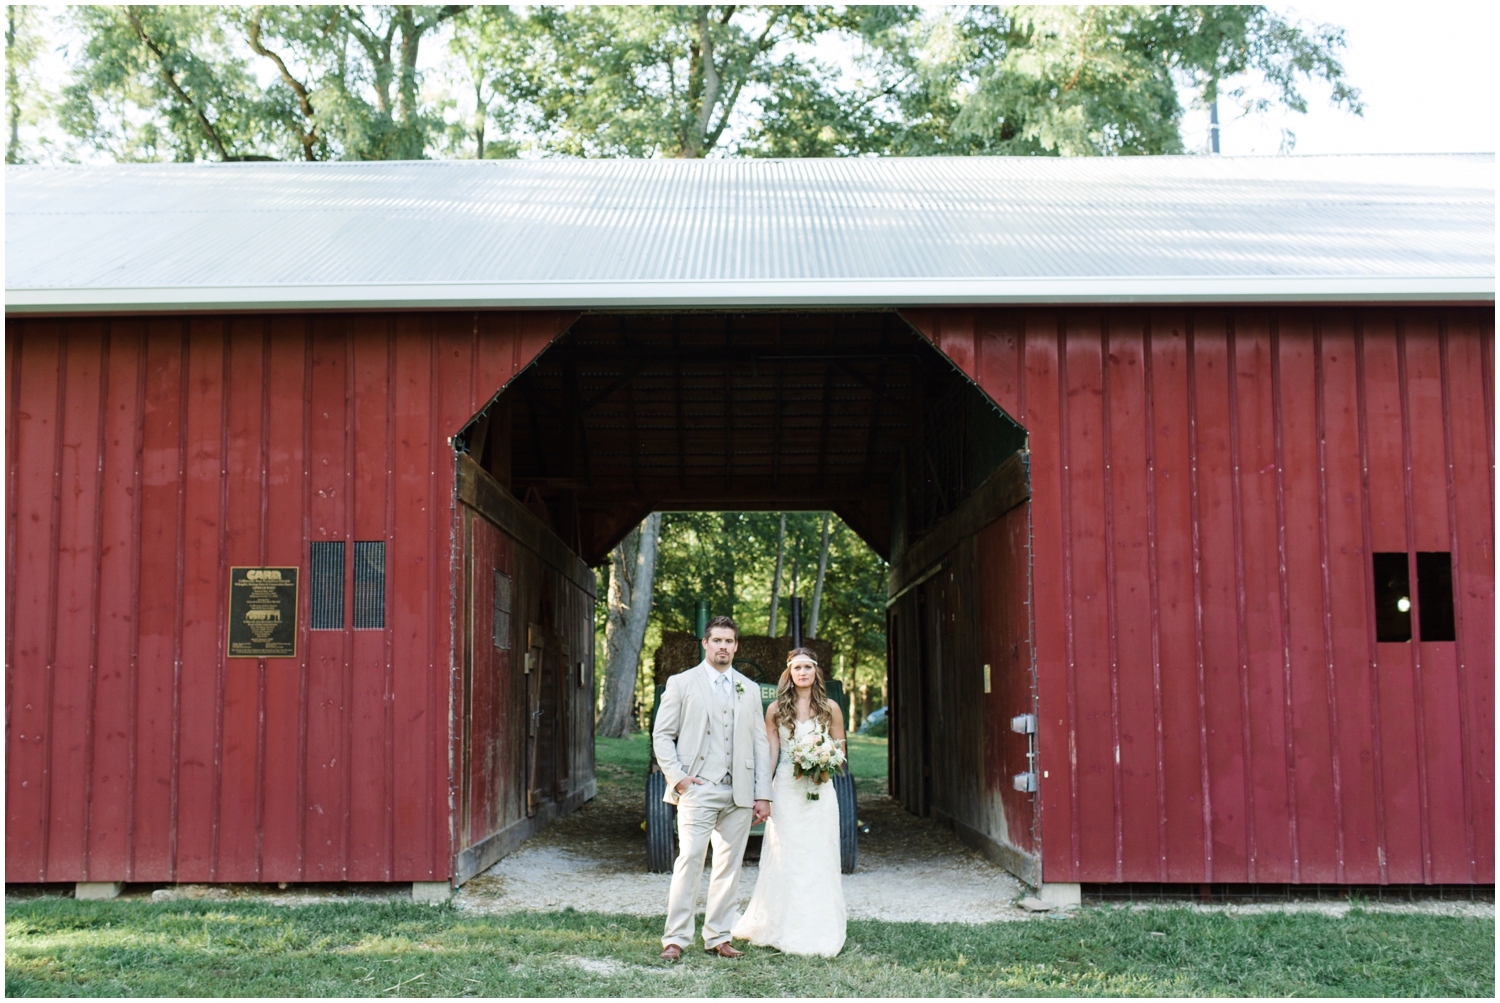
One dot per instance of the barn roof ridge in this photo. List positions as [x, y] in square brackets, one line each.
[731, 233]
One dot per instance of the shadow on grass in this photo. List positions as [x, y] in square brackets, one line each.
[62, 947]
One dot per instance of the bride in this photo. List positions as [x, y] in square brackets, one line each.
[798, 903]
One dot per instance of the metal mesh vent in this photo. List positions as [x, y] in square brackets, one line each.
[328, 585]
[369, 584]
[502, 611]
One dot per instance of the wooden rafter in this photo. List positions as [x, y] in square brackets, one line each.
[823, 424]
[874, 421]
[635, 437]
[776, 417]
[728, 407]
[536, 433]
[681, 424]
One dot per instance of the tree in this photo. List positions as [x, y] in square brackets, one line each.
[1081, 81]
[776, 578]
[177, 82]
[643, 81]
[812, 620]
[496, 55]
[632, 568]
[180, 82]
[404, 129]
[162, 83]
[26, 103]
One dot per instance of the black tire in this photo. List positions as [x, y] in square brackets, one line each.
[843, 787]
[661, 826]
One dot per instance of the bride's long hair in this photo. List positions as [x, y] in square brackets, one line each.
[786, 694]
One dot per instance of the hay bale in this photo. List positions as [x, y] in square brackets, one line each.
[759, 657]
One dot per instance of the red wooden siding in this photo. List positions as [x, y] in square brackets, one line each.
[147, 456]
[1000, 563]
[1207, 487]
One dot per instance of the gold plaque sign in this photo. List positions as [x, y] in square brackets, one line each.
[262, 612]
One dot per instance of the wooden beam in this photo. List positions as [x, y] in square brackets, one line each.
[608, 492]
[635, 437]
[481, 492]
[877, 388]
[728, 409]
[874, 419]
[1003, 490]
[823, 426]
[536, 430]
[681, 424]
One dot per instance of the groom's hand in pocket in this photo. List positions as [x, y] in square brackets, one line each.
[760, 812]
[685, 783]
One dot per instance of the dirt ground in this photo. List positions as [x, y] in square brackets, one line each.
[910, 869]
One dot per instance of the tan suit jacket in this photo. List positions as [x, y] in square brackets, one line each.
[682, 729]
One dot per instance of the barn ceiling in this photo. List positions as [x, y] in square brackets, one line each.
[631, 413]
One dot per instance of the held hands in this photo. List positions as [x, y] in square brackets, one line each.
[760, 812]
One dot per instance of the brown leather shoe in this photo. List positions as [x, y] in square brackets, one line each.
[726, 950]
[671, 952]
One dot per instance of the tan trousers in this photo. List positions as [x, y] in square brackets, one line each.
[706, 813]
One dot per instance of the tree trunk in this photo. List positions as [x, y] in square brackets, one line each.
[726, 549]
[13, 94]
[851, 689]
[812, 621]
[632, 572]
[776, 580]
[481, 113]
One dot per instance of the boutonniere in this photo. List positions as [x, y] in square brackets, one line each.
[739, 687]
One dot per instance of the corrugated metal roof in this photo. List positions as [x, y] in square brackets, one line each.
[594, 233]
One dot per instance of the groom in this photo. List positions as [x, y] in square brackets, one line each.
[710, 742]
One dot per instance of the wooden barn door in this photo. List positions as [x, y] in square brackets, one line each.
[527, 682]
[963, 699]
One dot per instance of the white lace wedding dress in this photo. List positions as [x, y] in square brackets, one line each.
[798, 903]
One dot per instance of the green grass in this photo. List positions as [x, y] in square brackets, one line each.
[867, 757]
[62, 947]
[625, 760]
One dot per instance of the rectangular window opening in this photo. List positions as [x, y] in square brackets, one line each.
[327, 600]
[1392, 598]
[500, 629]
[1435, 595]
[369, 584]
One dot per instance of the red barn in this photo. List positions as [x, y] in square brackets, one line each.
[1184, 468]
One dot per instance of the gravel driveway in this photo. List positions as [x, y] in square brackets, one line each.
[594, 860]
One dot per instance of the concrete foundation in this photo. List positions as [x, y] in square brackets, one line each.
[431, 892]
[1060, 895]
[98, 889]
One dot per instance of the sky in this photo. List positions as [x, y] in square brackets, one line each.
[1426, 72]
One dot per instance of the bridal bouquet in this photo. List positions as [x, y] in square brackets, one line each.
[815, 755]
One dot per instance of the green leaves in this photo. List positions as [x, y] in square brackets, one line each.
[729, 559]
[345, 81]
[1097, 80]
[251, 83]
[161, 83]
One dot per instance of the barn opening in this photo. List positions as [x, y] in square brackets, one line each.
[853, 412]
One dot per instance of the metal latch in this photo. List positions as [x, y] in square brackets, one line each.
[1024, 782]
[1023, 724]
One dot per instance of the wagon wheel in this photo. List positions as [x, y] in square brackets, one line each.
[843, 788]
[661, 826]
